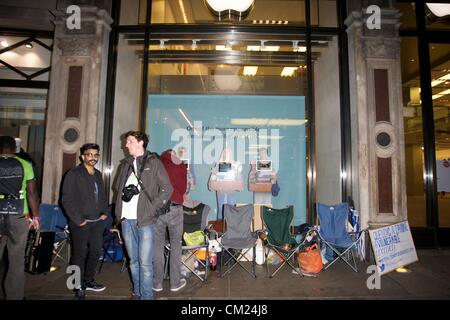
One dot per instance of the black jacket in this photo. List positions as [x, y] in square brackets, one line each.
[78, 195]
[156, 182]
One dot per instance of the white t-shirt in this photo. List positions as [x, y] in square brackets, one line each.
[129, 209]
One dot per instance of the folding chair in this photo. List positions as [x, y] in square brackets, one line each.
[194, 219]
[277, 225]
[334, 234]
[112, 249]
[238, 238]
[53, 220]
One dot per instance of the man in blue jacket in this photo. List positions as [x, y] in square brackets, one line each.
[85, 204]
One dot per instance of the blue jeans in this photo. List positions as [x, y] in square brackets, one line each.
[222, 198]
[139, 245]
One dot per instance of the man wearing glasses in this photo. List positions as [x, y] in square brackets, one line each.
[86, 207]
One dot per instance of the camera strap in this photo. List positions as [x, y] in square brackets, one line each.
[138, 177]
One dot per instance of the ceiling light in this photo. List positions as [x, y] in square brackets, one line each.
[183, 12]
[265, 48]
[288, 71]
[440, 80]
[222, 48]
[439, 9]
[236, 5]
[250, 71]
[4, 43]
[29, 45]
[162, 44]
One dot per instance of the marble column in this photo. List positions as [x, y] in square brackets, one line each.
[378, 153]
[76, 101]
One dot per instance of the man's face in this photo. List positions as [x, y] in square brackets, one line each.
[90, 157]
[135, 148]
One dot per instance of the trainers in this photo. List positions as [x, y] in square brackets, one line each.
[181, 286]
[157, 288]
[94, 286]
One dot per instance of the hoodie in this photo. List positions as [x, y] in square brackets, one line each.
[177, 172]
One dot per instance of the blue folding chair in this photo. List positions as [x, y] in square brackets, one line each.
[53, 220]
[333, 233]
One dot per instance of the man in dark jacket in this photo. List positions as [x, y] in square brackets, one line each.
[86, 206]
[173, 221]
[142, 187]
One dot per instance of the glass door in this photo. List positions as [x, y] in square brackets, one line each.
[440, 75]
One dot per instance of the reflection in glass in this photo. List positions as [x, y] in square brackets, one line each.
[440, 75]
[412, 112]
[264, 12]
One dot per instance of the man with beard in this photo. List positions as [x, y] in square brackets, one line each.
[86, 207]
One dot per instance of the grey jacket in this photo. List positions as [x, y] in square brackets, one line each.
[156, 182]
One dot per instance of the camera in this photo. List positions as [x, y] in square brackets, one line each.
[129, 192]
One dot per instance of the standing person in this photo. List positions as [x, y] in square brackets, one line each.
[85, 204]
[17, 189]
[142, 187]
[173, 221]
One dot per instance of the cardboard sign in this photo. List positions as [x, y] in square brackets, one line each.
[393, 247]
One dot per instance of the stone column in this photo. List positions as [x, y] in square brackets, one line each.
[378, 154]
[76, 98]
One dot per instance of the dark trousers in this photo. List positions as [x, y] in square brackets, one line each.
[15, 277]
[87, 242]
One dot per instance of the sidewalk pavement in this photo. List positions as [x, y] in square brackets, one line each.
[429, 278]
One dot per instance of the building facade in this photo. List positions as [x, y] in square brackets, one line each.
[349, 98]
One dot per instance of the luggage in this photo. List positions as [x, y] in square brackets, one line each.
[39, 251]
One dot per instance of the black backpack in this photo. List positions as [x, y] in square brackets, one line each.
[11, 178]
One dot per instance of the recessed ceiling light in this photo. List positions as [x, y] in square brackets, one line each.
[29, 45]
[4, 43]
[412, 60]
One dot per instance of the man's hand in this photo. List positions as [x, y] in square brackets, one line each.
[35, 223]
[103, 217]
[83, 223]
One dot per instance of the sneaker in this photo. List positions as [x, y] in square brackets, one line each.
[80, 294]
[181, 286]
[157, 288]
[94, 286]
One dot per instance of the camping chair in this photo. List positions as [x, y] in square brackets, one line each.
[280, 239]
[334, 234]
[238, 238]
[53, 220]
[194, 219]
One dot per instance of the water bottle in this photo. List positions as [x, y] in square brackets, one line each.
[213, 260]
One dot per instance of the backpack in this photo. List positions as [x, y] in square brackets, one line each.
[11, 177]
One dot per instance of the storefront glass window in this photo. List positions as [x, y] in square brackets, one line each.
[22, 115]
[133, 12]
[408, 14]
[437, 15]
[323, 13]
[440, 75]
[247, 105]
[25, 58]
[412, 112]
[262, 12]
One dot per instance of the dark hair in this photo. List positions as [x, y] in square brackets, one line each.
[7, 144]
[88, 146]
[140, 136]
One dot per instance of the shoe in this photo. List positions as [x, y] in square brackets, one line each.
[181, 286]
[80, 294]
[94, 286]
[157, 288]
